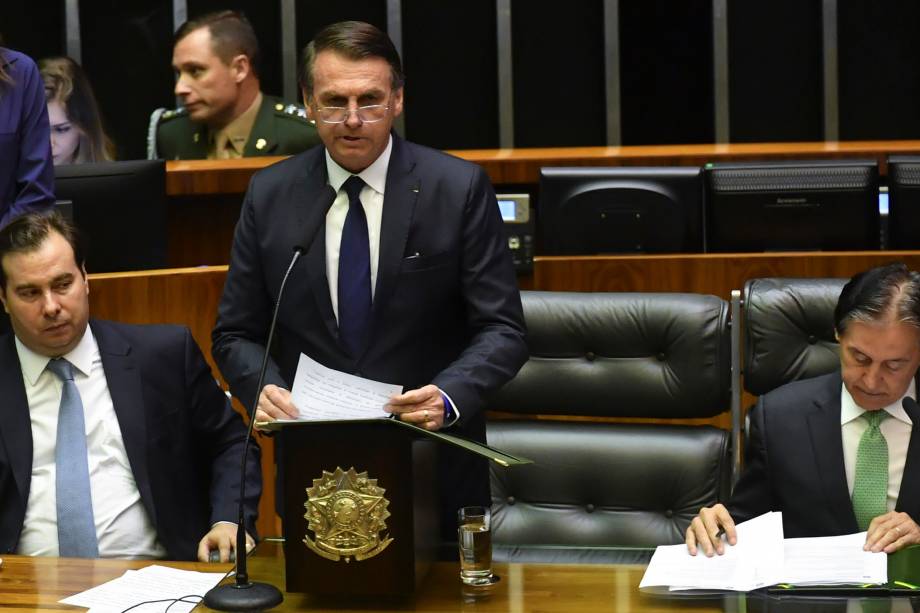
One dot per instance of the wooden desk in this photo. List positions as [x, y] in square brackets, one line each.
[204, 177]
[205, 195]
[29, 584]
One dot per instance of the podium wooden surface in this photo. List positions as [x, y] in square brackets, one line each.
[36, 584]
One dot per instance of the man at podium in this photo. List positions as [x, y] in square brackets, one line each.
[407, 276]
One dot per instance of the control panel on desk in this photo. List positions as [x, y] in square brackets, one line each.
[519, 229]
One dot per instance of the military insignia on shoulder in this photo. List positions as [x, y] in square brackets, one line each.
[173, 113]
[293, 110]
[346, 512]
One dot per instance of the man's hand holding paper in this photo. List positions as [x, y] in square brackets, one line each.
[706, 530]
[320, 394]
[423, 407]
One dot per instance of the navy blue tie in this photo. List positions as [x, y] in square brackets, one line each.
[354, 273]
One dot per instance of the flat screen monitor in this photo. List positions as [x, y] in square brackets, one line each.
[120, 208]
[904, 202]
[620, 210]
[792, 206]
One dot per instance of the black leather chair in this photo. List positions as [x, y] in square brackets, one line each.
[788, 330]
[598, 486]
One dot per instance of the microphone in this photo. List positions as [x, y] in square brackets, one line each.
[243, 594]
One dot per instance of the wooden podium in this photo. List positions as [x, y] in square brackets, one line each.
[360, 504]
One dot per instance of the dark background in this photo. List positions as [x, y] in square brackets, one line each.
[450, 51]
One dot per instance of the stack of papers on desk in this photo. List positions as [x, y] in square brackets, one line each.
[763, 557]
[144, 585]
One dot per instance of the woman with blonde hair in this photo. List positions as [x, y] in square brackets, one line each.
[76, 125]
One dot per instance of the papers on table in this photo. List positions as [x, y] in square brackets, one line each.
[833, 560]
[321, 393]
[149, 583]
[743, 567]
[762, 557]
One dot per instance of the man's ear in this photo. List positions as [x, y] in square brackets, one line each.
[241, 67]
[85, 278]
[397, 102]
[306, 102]
[3, 299]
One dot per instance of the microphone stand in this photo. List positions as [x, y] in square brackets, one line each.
[243, 594]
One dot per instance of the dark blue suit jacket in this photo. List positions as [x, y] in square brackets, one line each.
[794, 462]
[184, 442]
[446, 307]
[26, 169]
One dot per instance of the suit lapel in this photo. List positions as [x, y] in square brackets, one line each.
[124, 382]
[827, 446]
[399, 201]
[262, 131]
[909, 496]
[196, 147]
[16, 431]
[307, 190]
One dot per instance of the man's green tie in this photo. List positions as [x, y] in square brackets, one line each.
[870, 486]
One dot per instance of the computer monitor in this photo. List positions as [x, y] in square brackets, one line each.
[120, 207]
[904, 202]
[800, 206]
[620, 210]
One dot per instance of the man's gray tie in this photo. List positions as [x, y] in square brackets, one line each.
[75, 524]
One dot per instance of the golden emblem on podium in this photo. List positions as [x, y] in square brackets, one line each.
[346, 511]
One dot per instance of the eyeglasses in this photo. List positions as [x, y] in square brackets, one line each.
[371, 113]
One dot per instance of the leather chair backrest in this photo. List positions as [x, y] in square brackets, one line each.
[788, 329]
[595, 487]
[622, 354]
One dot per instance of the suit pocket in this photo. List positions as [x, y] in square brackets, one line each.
[427, 262]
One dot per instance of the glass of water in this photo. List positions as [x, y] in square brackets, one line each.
[474, 536]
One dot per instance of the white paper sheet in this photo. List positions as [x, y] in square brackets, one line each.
[321, 393]
[833, 560]
[755, 561]
[149, 583]
[762, 557]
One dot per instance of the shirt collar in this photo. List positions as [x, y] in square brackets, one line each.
[374, 175]
[849, 410]
[81, 357]
[238, 130]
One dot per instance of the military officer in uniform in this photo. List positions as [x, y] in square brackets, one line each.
[224, 114]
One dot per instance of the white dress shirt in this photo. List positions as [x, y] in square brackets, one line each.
[375, 179]
[123, 527]
[896, 430]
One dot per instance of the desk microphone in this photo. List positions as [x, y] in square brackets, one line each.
[243, 594]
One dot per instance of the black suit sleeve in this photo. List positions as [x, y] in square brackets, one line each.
[753, 494]
[244, 313]
[220, 434]
[493, 305]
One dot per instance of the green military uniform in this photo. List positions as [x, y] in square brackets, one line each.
[279, 129]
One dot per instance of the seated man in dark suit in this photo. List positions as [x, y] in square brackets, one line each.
[116, 441]
[224, 114]
[837, 454]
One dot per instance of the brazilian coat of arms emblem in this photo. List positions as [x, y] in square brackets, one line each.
[346, 511]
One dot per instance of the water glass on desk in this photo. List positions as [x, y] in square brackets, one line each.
[474, 538]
